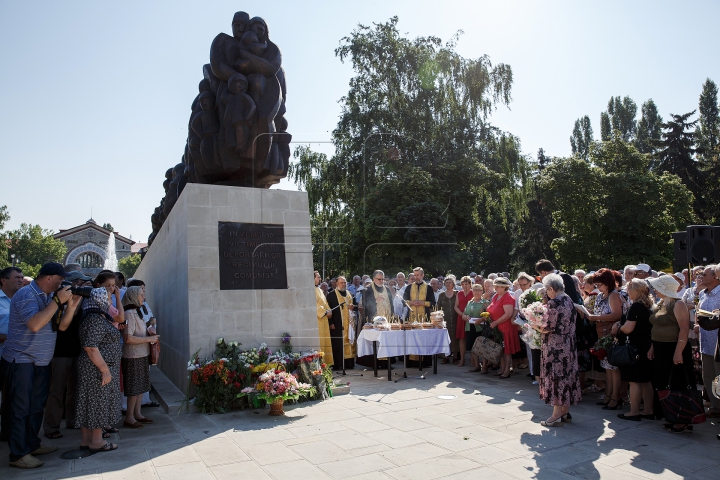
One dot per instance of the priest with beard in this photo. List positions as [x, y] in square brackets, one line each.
[420, 297]
[376, 301]
[341, 303]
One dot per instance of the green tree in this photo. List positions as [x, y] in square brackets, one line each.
[676, 155]
[35, 246]
[129, 264]
[4, 254]
[418, 173]
[649, 128]
[707, 134]
[582, 137]
[107, 226]
[612, 211]
[533, 238]
[622, 114]
[605, 127]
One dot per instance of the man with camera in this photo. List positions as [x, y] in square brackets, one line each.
[36, 314]
[63, 367]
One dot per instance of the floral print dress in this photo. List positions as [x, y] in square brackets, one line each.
[559, 379]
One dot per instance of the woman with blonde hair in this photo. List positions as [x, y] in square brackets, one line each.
[135, 357]
[636, 330]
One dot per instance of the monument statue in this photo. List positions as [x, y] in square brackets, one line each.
[237, 131]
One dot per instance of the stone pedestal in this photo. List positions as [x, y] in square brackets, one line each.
[181, 271]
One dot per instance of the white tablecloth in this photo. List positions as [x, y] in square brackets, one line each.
[392, 343]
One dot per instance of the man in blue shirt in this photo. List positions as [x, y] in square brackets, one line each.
[709, 301]
[35, 315]
[11, 280]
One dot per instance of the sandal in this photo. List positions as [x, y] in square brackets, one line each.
[110, 430]
[684, 428]
[503, 376]
[106, 434]
[53, 435]
[555, 423]
[522, 366]
[444, 361]
[108, 447]
[152, 404]
[145, 420]
[476, 369]
[634, 418]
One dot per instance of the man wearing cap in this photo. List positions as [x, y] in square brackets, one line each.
[643, 272]
[34, 318]
[63, 373]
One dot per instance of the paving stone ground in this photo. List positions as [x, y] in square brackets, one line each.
[488, 427]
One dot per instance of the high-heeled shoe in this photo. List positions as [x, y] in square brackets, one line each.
[618, 404]
[603, 402]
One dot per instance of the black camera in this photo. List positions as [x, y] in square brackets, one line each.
[79, 291]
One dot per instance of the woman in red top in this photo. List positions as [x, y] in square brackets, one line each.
[463, 298]
[501, 311]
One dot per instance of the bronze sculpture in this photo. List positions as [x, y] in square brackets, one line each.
[237, 131]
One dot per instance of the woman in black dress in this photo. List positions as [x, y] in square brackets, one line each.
[98, 389]
[637, 329]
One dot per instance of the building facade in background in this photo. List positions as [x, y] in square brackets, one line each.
[87, 245]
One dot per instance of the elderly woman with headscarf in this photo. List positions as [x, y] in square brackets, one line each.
[135, 357]
[98, 389]
[559, 380]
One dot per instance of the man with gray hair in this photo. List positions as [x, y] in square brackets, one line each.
[709, 301]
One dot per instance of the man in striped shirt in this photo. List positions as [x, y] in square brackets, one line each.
[27, 354]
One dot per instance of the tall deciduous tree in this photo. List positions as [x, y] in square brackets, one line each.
[605, 127]
[418, 173]
[707, 134]
[4, 217]
[612, 211]
[649, 128]
[582, 137]
[622, 114]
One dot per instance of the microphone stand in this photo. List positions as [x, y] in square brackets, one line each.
[342, 336]
[405, 356]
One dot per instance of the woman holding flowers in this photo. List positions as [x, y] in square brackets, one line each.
[475, 307]
[608, 310]
[559, 381]
[501, 310]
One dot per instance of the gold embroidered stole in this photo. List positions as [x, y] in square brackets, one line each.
[383, 304]
[344, 301]
[418, 292]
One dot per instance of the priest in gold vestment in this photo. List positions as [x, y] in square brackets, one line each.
[341, 303]
[420, 296]
[377, 301]
[323, 316]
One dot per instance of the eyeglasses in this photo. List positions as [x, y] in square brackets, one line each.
[596, 285]
[379, 278]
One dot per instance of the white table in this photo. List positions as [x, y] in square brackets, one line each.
[397, 343]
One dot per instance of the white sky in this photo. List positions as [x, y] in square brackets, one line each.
[96, 95]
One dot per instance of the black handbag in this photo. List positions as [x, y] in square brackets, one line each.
[622, 355]
[709, 323]
[683, 406]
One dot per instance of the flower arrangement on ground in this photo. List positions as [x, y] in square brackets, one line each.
[287, 346]
[277, 386]
[218, 380]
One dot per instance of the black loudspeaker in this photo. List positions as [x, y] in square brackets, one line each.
[703, 244]
[680, 248]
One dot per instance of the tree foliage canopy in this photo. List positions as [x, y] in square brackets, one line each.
[34, 245]
[418, 172]
[612, 211]
[129, 264]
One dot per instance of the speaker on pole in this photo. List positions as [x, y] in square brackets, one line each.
[680, 249]
[703, 244]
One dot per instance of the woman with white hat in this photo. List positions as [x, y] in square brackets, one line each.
[671, 325]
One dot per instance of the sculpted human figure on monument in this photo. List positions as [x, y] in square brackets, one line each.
[237, 132]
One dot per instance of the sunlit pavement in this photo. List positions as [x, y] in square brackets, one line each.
[454, 424]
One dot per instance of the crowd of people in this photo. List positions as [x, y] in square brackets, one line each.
[67, 344]
[654, 312]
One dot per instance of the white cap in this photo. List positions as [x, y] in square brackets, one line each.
[644, 267]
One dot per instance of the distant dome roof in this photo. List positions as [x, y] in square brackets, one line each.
[92, 221]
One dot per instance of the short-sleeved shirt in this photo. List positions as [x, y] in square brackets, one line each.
[4, 316]
[709, 301]
[496, 308]
[136, 328]
[23, 345]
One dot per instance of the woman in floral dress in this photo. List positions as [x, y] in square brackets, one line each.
[559, 381]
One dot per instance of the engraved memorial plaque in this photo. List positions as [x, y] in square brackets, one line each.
[252, 256]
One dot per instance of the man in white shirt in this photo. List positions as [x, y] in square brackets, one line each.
[435, 285]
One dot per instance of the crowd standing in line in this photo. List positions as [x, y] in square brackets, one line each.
[654, 312]
[60, 354]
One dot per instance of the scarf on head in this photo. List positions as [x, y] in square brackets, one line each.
[98, 303]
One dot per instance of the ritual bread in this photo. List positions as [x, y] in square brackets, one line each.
[395, 326]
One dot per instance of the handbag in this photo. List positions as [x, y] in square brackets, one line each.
[154, 347]
[682, 406]
[487, 349]
[708, 323]
[622, 355]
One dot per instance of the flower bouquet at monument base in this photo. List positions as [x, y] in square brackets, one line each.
[276, 386]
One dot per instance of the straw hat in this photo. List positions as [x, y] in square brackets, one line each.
[502, 282]
[665, 285]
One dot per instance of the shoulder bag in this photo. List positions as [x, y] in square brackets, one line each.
[622, 355]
